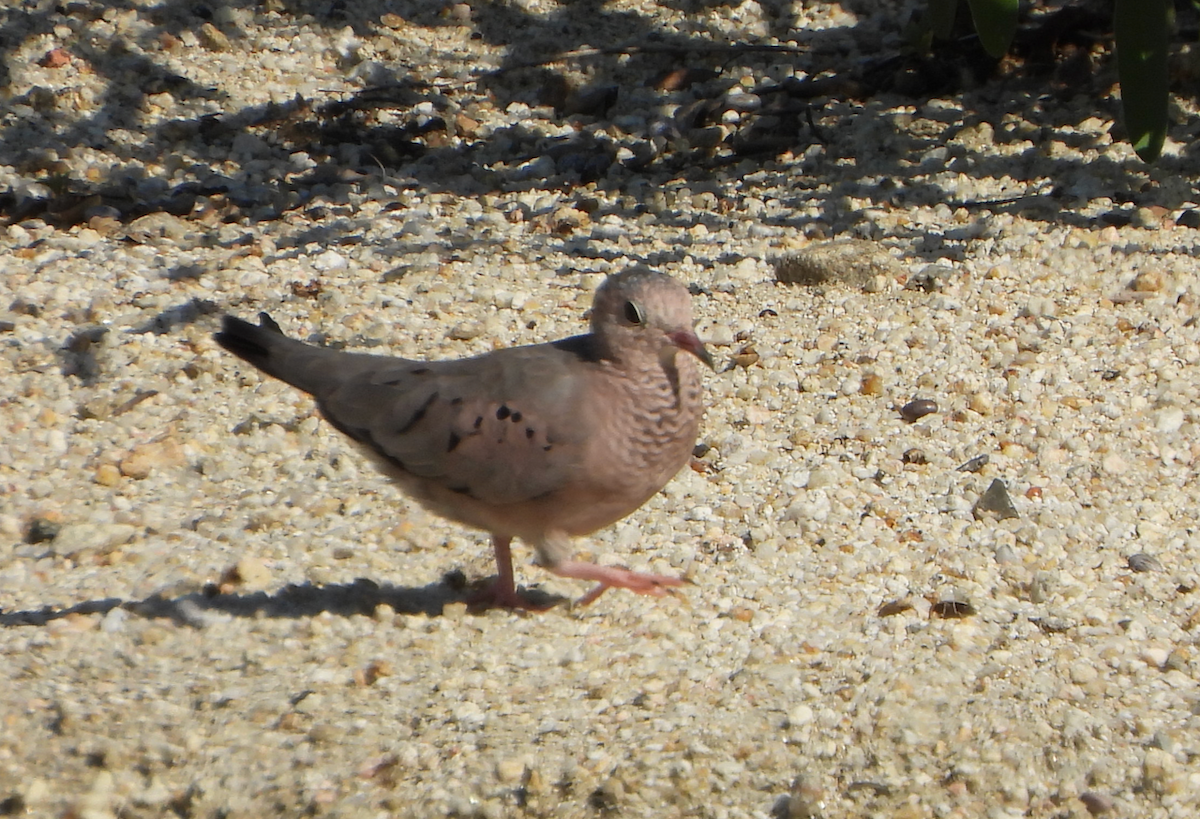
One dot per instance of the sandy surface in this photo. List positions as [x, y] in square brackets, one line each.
[211, 606]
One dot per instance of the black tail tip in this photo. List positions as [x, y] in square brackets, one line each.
[245, 340]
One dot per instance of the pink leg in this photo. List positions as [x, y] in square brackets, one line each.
[615, 577]
[503, 592]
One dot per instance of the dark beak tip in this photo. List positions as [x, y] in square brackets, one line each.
[690, 342]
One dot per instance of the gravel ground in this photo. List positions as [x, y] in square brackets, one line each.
[211, 606]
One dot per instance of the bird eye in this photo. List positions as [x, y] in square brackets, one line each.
[633, 313]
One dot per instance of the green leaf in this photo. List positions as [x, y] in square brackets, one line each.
[996, 23]
[941, 18]
[1143, 28]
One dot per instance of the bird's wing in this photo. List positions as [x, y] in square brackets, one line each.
[502, 428]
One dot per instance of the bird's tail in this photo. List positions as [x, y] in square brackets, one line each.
[309, 368]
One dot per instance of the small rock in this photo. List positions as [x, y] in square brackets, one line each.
[1155, 656]
[466, 331]
[745, 357]
[1083, 672]
[330, 260]
[144, 459]
[97, 537]
[1096, 803]
[1114, 464]
[253, 573]
[1146, 218]
[975, 464]
[995, 500]
[1169, 419]
[1148, 281]
[918, 408]
[931, 278]
[114, 621]
[849, 262]
[55, 58]
[1190, 218]
[107, 475]
[213, 39]
[1161, 772]
[510, 771]
[1142, 562]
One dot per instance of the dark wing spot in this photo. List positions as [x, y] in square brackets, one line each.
[528, 432]
[456, 401]
[516, 417]
[479, 422]
[503, 412]
[547, 447]
[418, 415]
[455, 440]
[462, 490]
[420, 371]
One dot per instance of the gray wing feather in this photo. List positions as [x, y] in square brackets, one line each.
[501, 428]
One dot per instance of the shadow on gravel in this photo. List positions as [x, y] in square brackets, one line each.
[402, 131]
[360, 597]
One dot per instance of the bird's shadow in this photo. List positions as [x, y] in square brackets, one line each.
[360, 597]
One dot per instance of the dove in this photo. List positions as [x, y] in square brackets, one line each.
[541, 443]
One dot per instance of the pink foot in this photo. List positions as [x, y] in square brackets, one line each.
[502, 592]
[615, 577]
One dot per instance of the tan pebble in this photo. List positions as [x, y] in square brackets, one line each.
[92, 537]
[872, 384]
[1148, 281]
[982, 403]
[1155, 656]
[253, 572]
[510, 771]
[213, 39]
[466, 331]
[107, 475]
[1177, 660]
[374, 671]
[745, 357]
[819, 478]
[454, 611]
[536, 783]
[38, 791]
[1161, 772]
[324, 733]
[1083, 672]
[1114, 464]
[324, 506]
[144, 459]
